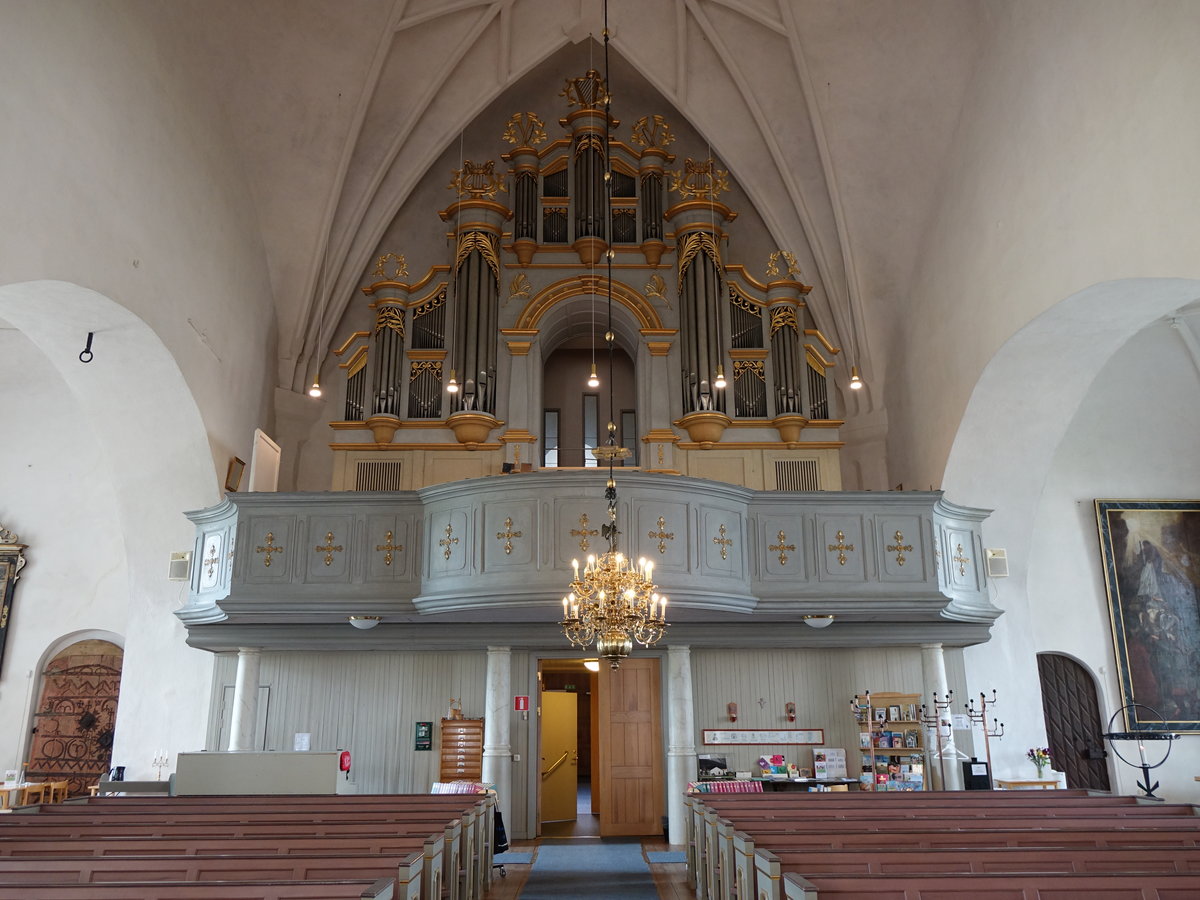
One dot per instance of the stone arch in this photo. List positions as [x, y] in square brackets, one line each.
[546, 309]
[154, 461]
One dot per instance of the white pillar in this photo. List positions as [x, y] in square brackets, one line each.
[681, 738]
[244, 717]
[933, 669]
[497, 750]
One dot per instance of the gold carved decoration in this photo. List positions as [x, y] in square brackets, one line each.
[400, 271]
[652, 132]
[900, 548]
[793, 267]
[694, 243]
[478, 240]
[586, 92]
[699, 180]
[329, 549]
[525, 130]
[660, 456]
[784, 317]
[448, 542]
[781, 547]
[212, 561]
[588, 141]
[507, 535]
[420, 366]
[479, 180]
[390, 317]
[387, 548]
[583, 533]
[519, 287]
[661, 536]
[269, 549]
[741, 366]
[961, 560]
[841, 547]
[429, 305]
[657, 287]
[741, 301]
[723, 542]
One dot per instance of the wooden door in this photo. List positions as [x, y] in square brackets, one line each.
[1073, 723]
[560, 756]
[631, 764]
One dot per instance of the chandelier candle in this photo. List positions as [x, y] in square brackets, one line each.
[614, 603]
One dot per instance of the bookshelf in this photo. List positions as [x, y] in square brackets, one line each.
[891, 741]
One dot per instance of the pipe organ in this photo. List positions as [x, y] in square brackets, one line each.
[450, 375]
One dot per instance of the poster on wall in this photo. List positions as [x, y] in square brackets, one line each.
[1151, 555]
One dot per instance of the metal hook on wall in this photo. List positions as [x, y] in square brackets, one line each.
[86, 355]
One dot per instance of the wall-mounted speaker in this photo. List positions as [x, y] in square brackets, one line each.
[180, 567]
[997, 563]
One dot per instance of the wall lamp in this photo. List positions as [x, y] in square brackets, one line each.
[817, 621]
[365, 622]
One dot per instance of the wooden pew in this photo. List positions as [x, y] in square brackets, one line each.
[230, 890]
[1010, 887]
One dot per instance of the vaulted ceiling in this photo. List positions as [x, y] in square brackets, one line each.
[833, 116]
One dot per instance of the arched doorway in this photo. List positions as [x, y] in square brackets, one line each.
[1073, 723]
[76, 714]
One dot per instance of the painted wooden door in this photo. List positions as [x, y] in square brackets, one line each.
[631, 764]
[560, 756]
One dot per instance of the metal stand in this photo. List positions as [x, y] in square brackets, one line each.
[1141, 737]
[934, 720]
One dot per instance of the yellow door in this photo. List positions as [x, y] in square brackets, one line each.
[631, 769]
[560, 756]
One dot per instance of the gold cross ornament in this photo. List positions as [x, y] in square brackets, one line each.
[269, 549]
[388, 547]
[507, 535]
[583, 532]
[447, 542]
[961, 560]
[841, 547]
[724, 542]
[781, 547]
[329, 549]
[661, 536]
[900, 548]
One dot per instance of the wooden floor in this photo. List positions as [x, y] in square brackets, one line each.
[670, 878]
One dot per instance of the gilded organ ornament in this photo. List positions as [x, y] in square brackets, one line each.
[652, 132]
[479, 180]
[269, 549]
[478, 240]
[329, 548]
[662, 536]
[400, 270]
[657, 287]
[525, 130]
[783, 317]
[699, 180]
[447, 543]
[841, 547]
[390, 317]
[587, 92]
[793, 267]
[519, 287]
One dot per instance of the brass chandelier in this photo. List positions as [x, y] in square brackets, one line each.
[613, 601]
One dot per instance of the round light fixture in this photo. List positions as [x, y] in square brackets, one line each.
[593, 379]
[315, 390]
[452, 386]
[592, 665]
[817, 621]
[856, 383]
[365, 622]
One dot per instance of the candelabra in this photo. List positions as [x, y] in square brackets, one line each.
[613, 602]
[935, 720]
[979, 717]
[160, 763]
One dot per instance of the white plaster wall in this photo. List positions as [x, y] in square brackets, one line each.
[1120, 445]
[119, 176]
[55, 493]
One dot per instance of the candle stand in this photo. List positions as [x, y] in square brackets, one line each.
[1141, 737]
[979, 717]
[933, 719]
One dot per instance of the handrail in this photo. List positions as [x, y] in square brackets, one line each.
[558, 762]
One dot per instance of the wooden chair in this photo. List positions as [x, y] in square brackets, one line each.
[33, 793]
[58, 791]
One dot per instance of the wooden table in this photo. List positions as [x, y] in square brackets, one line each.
[1033, 784]
[28, 789]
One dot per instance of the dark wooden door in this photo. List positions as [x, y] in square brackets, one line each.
[1073, 722]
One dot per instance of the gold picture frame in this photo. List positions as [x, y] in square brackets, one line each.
[233, 475]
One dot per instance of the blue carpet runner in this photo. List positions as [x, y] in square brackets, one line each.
[596, 870]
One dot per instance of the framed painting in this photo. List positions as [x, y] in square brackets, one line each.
[1151, 556]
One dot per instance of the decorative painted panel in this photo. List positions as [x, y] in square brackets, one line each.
[781, 548]
[269, 548]
[577, 530]
[660, 535]
[900, 543]
[840, 552]
[329, 548]
[451, 541]
[390, 548]
[510, 534]
[960, 559]
[722, 542]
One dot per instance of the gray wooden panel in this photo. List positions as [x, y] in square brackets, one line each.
[388, 560]
[901, 548]
[451, 541]
[510, 531]
[782, 544]
[268, 543]
[722, 542]
[661, 534]
[961, 559]
[329, 549]
[841, 555]
[577, 529]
